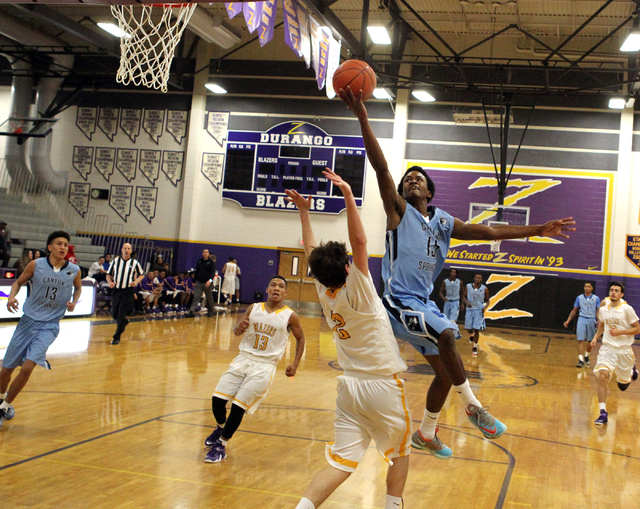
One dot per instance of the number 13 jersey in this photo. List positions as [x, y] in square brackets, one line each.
[50, 290]
[267, 334]
[361, 328]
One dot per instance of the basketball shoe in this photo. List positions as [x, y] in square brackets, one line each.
[214, 437]
[634, 376]
[474, 350]
[216, 454]
[434, 446]
[580, 364]
[603, 419]
[481, 418]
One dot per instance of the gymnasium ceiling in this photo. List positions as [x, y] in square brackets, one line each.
[532, 47]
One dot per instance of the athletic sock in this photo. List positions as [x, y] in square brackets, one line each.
[428, 426]
[393, 502]
[581, 357]
[224, 442]
[468, 398]
[586, 355]
[4, 405]
[4, 396]
[305, 503]
[603, 407]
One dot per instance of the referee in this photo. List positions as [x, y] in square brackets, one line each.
[124, 275]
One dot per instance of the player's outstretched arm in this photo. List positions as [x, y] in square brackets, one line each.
[243, 324]
[357, 235]
[27, 274]
[295, 327]
[303, 204]
[571, 315]
[554, 228]
[77, 291]
[394, 204]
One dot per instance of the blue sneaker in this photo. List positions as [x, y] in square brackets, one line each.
[2, 416]
[9, 413]
[216, 454]
[214, 437]
[434, 446]
[481, 418]
[603, 419]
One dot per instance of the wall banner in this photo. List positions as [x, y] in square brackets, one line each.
[130, 122]
[212, 168]
[120, 200]
[105, 161]
[259, 166]
[79, 196]
[86, 119]
[146, 201]
[150, 164]
[177, 121]
[82, 159]
[217, 125]
[126, 162]
[172, 164]
[108, 121]
[153, 123]
[633, 250]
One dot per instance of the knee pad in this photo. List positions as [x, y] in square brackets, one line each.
[622, 387]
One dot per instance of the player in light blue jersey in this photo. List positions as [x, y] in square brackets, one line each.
[55, 288]
[587, 306]
[476, 298]
[418, 237]
[451, 294]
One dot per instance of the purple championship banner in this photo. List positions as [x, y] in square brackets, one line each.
[259, 166]
[533, 196]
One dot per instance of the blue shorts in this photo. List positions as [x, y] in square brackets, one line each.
[30, 341]
[418, 322]
[474, 320]
[586, 328]
[452, 309]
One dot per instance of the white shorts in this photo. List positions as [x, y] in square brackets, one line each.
[616, 360]
[246, 382]
[145, 295]
[365, 409]
[229, 285]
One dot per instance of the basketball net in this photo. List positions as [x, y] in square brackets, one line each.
[495, 245]
[148, 43]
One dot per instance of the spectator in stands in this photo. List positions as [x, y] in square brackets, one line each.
[71, 255]
[5, 244]
[23, 261]
[107, 262]
[97, 272]
[38, 253]
[158, 264]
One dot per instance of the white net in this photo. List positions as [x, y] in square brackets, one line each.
[495, 246]
[150, 36]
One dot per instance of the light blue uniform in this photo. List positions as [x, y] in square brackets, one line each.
[45, 306]
[586, 327]
[415, 254]
[474, 319]
[452, 306]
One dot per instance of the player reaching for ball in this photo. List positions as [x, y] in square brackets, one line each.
[371, 401]
[418, 237]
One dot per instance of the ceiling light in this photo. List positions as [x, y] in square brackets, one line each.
[381, 93]
[214, 29]
[216, 89]
[379, 35]
[113, 30]
[423, 95]
[617, 104]
[632, 43]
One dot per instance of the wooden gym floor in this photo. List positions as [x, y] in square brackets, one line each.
[123, 426]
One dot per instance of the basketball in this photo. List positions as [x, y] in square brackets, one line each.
[357, 75]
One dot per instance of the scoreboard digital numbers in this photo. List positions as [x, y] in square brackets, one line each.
[259, 166]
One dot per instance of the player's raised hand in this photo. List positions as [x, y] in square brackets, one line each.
[337, 181]
[242, 326]
[291, 370]
[354, 102]
[557, 227]
[303, 204]
[70, 306]
[12, 305]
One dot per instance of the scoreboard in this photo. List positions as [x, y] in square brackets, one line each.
[259, 166]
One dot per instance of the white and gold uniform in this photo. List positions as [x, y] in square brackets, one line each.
[247, 381]
[616, 354]
[371, 401]
[229, 283]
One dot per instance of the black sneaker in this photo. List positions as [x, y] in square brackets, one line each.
[586, 361]
[580, 364]
[474, 351]
[115, 341]
[634, 376]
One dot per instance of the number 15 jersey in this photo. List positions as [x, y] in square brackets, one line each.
[267, 334]
[415, 252]
[361, 328]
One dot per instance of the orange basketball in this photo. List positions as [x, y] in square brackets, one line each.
[357, 75]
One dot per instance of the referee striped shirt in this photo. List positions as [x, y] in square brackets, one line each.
[124, 272]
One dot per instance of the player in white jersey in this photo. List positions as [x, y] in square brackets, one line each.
[476, 298]
[417, 243]
[229, 271]
[266, 329]
[451, 293]
[371, 403]
[619, 323]
[587, 306]
[55, 289]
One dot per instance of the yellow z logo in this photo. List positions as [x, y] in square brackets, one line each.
[338, 328]
[517, 282]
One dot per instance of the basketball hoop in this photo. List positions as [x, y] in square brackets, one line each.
[495, 245]
[16, 124]
[149, 41]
